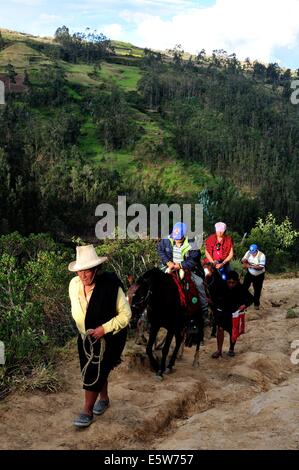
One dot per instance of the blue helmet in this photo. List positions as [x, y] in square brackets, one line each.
[253, 248]
[179, 231]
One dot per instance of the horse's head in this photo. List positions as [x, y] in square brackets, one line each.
[140, 296]
[209, 269]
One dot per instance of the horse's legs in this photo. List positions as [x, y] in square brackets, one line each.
[149, 348]
[140, 337]
[182, 346]
[196, 357]
[160, 345]
[181, 351]
[165, 351]
[178, 341]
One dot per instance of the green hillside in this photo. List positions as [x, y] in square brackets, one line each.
[94, 122]
[22, 56]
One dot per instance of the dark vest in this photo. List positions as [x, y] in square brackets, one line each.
[101, 309]
[102, 304]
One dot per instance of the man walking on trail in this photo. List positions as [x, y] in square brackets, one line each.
[254, 261]
[178, 252]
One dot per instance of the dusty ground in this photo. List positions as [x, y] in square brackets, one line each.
[247, 402]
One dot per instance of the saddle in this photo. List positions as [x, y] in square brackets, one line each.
[189, 299]
[188, 293]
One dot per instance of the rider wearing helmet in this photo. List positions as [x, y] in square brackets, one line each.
[178, 252]
[254, 261]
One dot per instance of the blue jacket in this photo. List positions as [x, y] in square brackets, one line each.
[191, 255]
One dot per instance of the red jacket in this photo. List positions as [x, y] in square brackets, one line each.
[225, 247]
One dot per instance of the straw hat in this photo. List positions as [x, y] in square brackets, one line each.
[86, 258]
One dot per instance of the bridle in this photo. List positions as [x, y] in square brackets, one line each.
[143, 299]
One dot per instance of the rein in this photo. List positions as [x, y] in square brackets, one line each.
[143, 299]
[91, 357]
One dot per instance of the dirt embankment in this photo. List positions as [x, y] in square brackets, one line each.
[250, 401]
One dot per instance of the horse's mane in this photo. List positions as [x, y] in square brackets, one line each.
[151, 275]
[157, 280]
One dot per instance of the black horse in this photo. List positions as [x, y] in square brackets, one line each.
[158, 293]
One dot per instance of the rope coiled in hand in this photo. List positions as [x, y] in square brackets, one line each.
[91, 357]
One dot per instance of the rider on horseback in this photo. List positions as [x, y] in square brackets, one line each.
[220, 250]
[177, 253]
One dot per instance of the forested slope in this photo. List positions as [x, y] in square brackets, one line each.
[87, 119]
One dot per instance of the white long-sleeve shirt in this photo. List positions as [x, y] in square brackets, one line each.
[258, 259]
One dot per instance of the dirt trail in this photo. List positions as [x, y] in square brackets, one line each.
[247, 402]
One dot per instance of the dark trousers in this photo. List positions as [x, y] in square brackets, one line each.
[257, 282]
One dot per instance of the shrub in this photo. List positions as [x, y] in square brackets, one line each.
[35, 310]
[275, 240]
[129, 256]
[292, 313]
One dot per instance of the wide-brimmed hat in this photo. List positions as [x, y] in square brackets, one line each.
[86, 258]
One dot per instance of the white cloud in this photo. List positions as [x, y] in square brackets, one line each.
[249, 28]
[113, 31]
[159, 3]
[30, 3]
[49, 18]
[134, 17]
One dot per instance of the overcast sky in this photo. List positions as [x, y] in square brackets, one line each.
[260, 29]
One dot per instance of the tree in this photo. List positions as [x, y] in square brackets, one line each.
[10, 70]
[26, 80]
[86, 46]
[113, 119]
[62, 35]
[2, 42]
[177, 54]
[201, 56]
[273, 73]
[259, 70]
[247, 64]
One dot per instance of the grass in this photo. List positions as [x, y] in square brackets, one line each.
[22, 56]
[126, 48]
[292, 313]
[96, 153]
[73, 94]
[89, 142]
[43, 378]
[175, 177]
[78, 74]
[17, 36]
[125, 76]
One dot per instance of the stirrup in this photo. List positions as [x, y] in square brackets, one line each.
[181, 274]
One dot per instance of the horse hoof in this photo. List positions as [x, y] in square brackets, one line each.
[195, 364]
[168, 370]
[159, 377]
